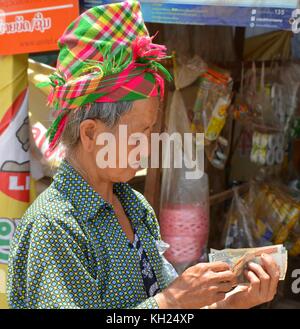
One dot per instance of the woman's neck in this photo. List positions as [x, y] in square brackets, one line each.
[90, 173]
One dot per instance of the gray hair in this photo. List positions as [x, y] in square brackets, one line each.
[108, 113]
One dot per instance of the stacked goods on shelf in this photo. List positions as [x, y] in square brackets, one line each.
[277, 216]
[267, 215]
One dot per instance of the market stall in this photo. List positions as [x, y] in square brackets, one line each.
[240, 89]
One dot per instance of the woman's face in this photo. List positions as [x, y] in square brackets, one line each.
[125, 145]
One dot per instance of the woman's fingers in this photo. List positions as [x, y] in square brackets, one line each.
[273, 270]
[263, 277]
[270, 265]
[226, 276]
[225, 287]
[254, 281]
[219, 267]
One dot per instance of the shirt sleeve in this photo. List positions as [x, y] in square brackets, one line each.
[169, 274]
[46, 271]
[149, 303]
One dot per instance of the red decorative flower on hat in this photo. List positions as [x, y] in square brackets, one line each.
[142, 47]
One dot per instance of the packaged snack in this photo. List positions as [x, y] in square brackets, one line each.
[218, 118]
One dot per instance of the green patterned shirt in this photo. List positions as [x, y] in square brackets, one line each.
[69, 250]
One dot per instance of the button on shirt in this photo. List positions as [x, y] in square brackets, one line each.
[69, 250]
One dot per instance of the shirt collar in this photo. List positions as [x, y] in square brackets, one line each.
[132, 202]
[88, 202]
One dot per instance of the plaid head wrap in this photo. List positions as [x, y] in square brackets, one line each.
[106, 55]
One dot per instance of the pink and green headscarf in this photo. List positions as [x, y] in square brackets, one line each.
[106, 55]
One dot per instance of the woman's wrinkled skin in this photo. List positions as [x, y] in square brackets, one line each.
[201, 285]
[140, 119]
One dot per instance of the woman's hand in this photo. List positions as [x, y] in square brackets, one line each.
[262, 289]
[199, 286]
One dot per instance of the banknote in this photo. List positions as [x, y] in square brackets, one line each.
[239, 258]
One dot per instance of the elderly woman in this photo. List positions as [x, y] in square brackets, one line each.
[90, 240]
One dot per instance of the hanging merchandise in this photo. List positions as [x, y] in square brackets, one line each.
[245, 108]
[240, 230]
[264, 110]
[217, 152]
[240, 111]
[267, 149]
[218, 118]
[212, 103]
[265, 120]
[287, 87]
[210, 113]
[268, 102]
[184, 213]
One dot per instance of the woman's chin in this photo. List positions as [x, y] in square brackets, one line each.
[127, 175]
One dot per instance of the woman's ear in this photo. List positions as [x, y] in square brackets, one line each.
[88, 134]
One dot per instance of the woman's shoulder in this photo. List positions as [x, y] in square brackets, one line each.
[49, 207]
[50, 217]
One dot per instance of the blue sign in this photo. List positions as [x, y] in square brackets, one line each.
[248, 13]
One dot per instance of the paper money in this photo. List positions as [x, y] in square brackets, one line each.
[239, 258]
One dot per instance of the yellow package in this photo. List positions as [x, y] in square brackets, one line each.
[218, 118]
